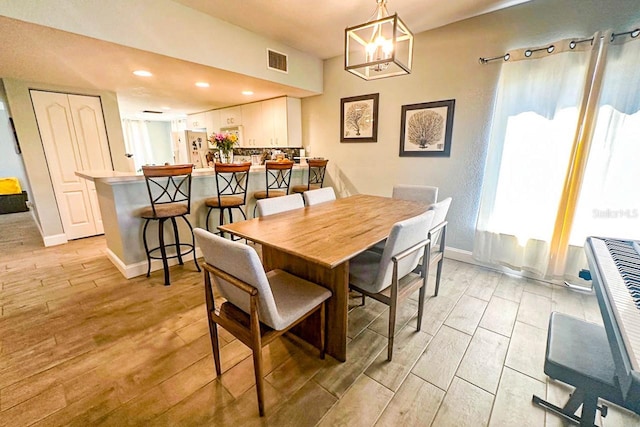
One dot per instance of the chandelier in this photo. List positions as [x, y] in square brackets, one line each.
[381, 47]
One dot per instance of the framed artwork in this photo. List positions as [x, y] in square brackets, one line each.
[15, 136]
[425, 129]
[359, 118]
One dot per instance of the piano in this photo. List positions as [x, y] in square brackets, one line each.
[615, 270]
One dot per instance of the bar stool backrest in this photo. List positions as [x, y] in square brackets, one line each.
[278, 175]
[317, 168]
[232, 180]
[169, 184]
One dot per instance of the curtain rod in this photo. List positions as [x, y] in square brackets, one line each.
[551, 48]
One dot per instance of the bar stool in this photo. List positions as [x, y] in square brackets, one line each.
[278, 178]
[169, 189]
[231, 182]
[315, 178]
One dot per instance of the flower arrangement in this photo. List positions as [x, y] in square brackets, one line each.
[223, 141]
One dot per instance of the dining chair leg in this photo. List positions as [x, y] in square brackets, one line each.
[256, 344]
[438, 274]
[213, 327]
[421, 294]
[323, 314]
[393, 306]
[176, 236]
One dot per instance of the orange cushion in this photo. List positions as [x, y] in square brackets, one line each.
[164, 211]
[272, 193]
[225, 202]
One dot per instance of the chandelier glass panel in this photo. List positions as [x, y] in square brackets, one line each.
[379, 48]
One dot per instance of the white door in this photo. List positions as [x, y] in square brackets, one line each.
[74, 138]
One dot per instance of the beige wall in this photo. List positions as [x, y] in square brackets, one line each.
[21, 110]
[445, 67]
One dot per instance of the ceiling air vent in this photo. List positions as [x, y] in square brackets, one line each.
[152, 112]
[277, 61]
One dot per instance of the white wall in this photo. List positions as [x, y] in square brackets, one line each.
[445, 67]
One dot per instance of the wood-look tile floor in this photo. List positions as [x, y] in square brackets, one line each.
[81, 345]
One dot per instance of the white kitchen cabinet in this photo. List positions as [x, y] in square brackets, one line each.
[252, 123]
[196, 121]
[212, 122]
[231, 116]
[282, 122]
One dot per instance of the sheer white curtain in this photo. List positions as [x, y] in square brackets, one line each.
[137, 142]
[539, 103]
[609, 203]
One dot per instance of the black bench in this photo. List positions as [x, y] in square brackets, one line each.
[578, 354]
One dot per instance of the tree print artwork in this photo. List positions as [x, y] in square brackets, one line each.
[425, 128]
[358, 117]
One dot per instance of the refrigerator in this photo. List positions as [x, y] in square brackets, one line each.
[190, 147]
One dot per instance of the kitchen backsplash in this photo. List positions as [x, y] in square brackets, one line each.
[290, 152]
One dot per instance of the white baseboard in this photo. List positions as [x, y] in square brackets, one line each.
[466, 256]
[460, 255]
[140, 268]
[56, 239]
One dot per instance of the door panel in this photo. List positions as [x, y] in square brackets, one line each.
[59, 126]
[93, 144]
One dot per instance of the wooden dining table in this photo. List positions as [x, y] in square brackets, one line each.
[317, 242]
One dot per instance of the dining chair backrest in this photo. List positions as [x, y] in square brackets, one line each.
[276, 205]
[403, 235]
[440, 210]
[232, 179]
[278, 176]
[321, 195]
[419, 193]
[242, 262]
[168, 185]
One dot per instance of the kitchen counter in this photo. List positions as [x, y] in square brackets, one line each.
[123, 195]
[115, 176]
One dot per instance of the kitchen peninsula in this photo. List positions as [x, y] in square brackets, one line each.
[122, 195]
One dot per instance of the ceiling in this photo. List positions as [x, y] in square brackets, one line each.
[47, 55]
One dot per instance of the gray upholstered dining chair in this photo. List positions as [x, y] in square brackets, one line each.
[437, 236]
[321, 195]
[259, 306]
[389, 277]
[279, 204]
[418, 193]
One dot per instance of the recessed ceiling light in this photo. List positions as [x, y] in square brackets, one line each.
[247, 92]
[202, 84]
[143, 73]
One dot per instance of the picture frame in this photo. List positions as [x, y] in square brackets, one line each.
[359, 118]
[425, 129]
[15, 136]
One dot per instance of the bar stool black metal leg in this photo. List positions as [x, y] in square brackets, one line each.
[177, 240]
[146, 247]
[163, 252]
[206, 221]
[193, 243]
[221, 220]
